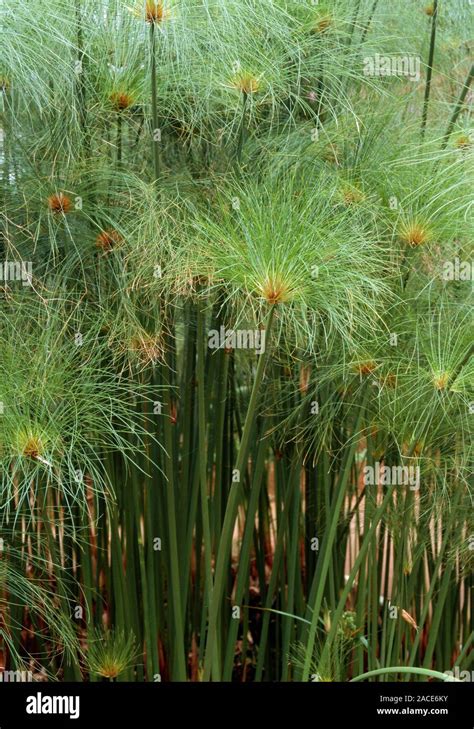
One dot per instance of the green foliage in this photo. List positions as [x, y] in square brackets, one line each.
[169, 170]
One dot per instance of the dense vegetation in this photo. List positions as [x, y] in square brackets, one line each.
[236, 387]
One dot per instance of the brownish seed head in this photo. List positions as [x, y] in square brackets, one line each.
[108, 239]
[429, 9]
[121, 100]
[59, 203]
[148, 349]
[109, 669]
[32, 447]
[441, 380]
[414, 234]
[366, 368]
[389, 380]
[274, 290]
[155, 11]
[322, 24]
[463, 141]
[246, 82]
[352, 195]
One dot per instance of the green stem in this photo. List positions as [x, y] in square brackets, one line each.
[294, 482]
[458, 107]
[367, 26]
[433, 581]
[179, 664]
[320, 576]
[81, 86]
[353, 22]
[429, 71]
[401, 669]
[206, 527]
[225, 542]
[155, 132]
[336, 616]
[119, 139]
[242, 129]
